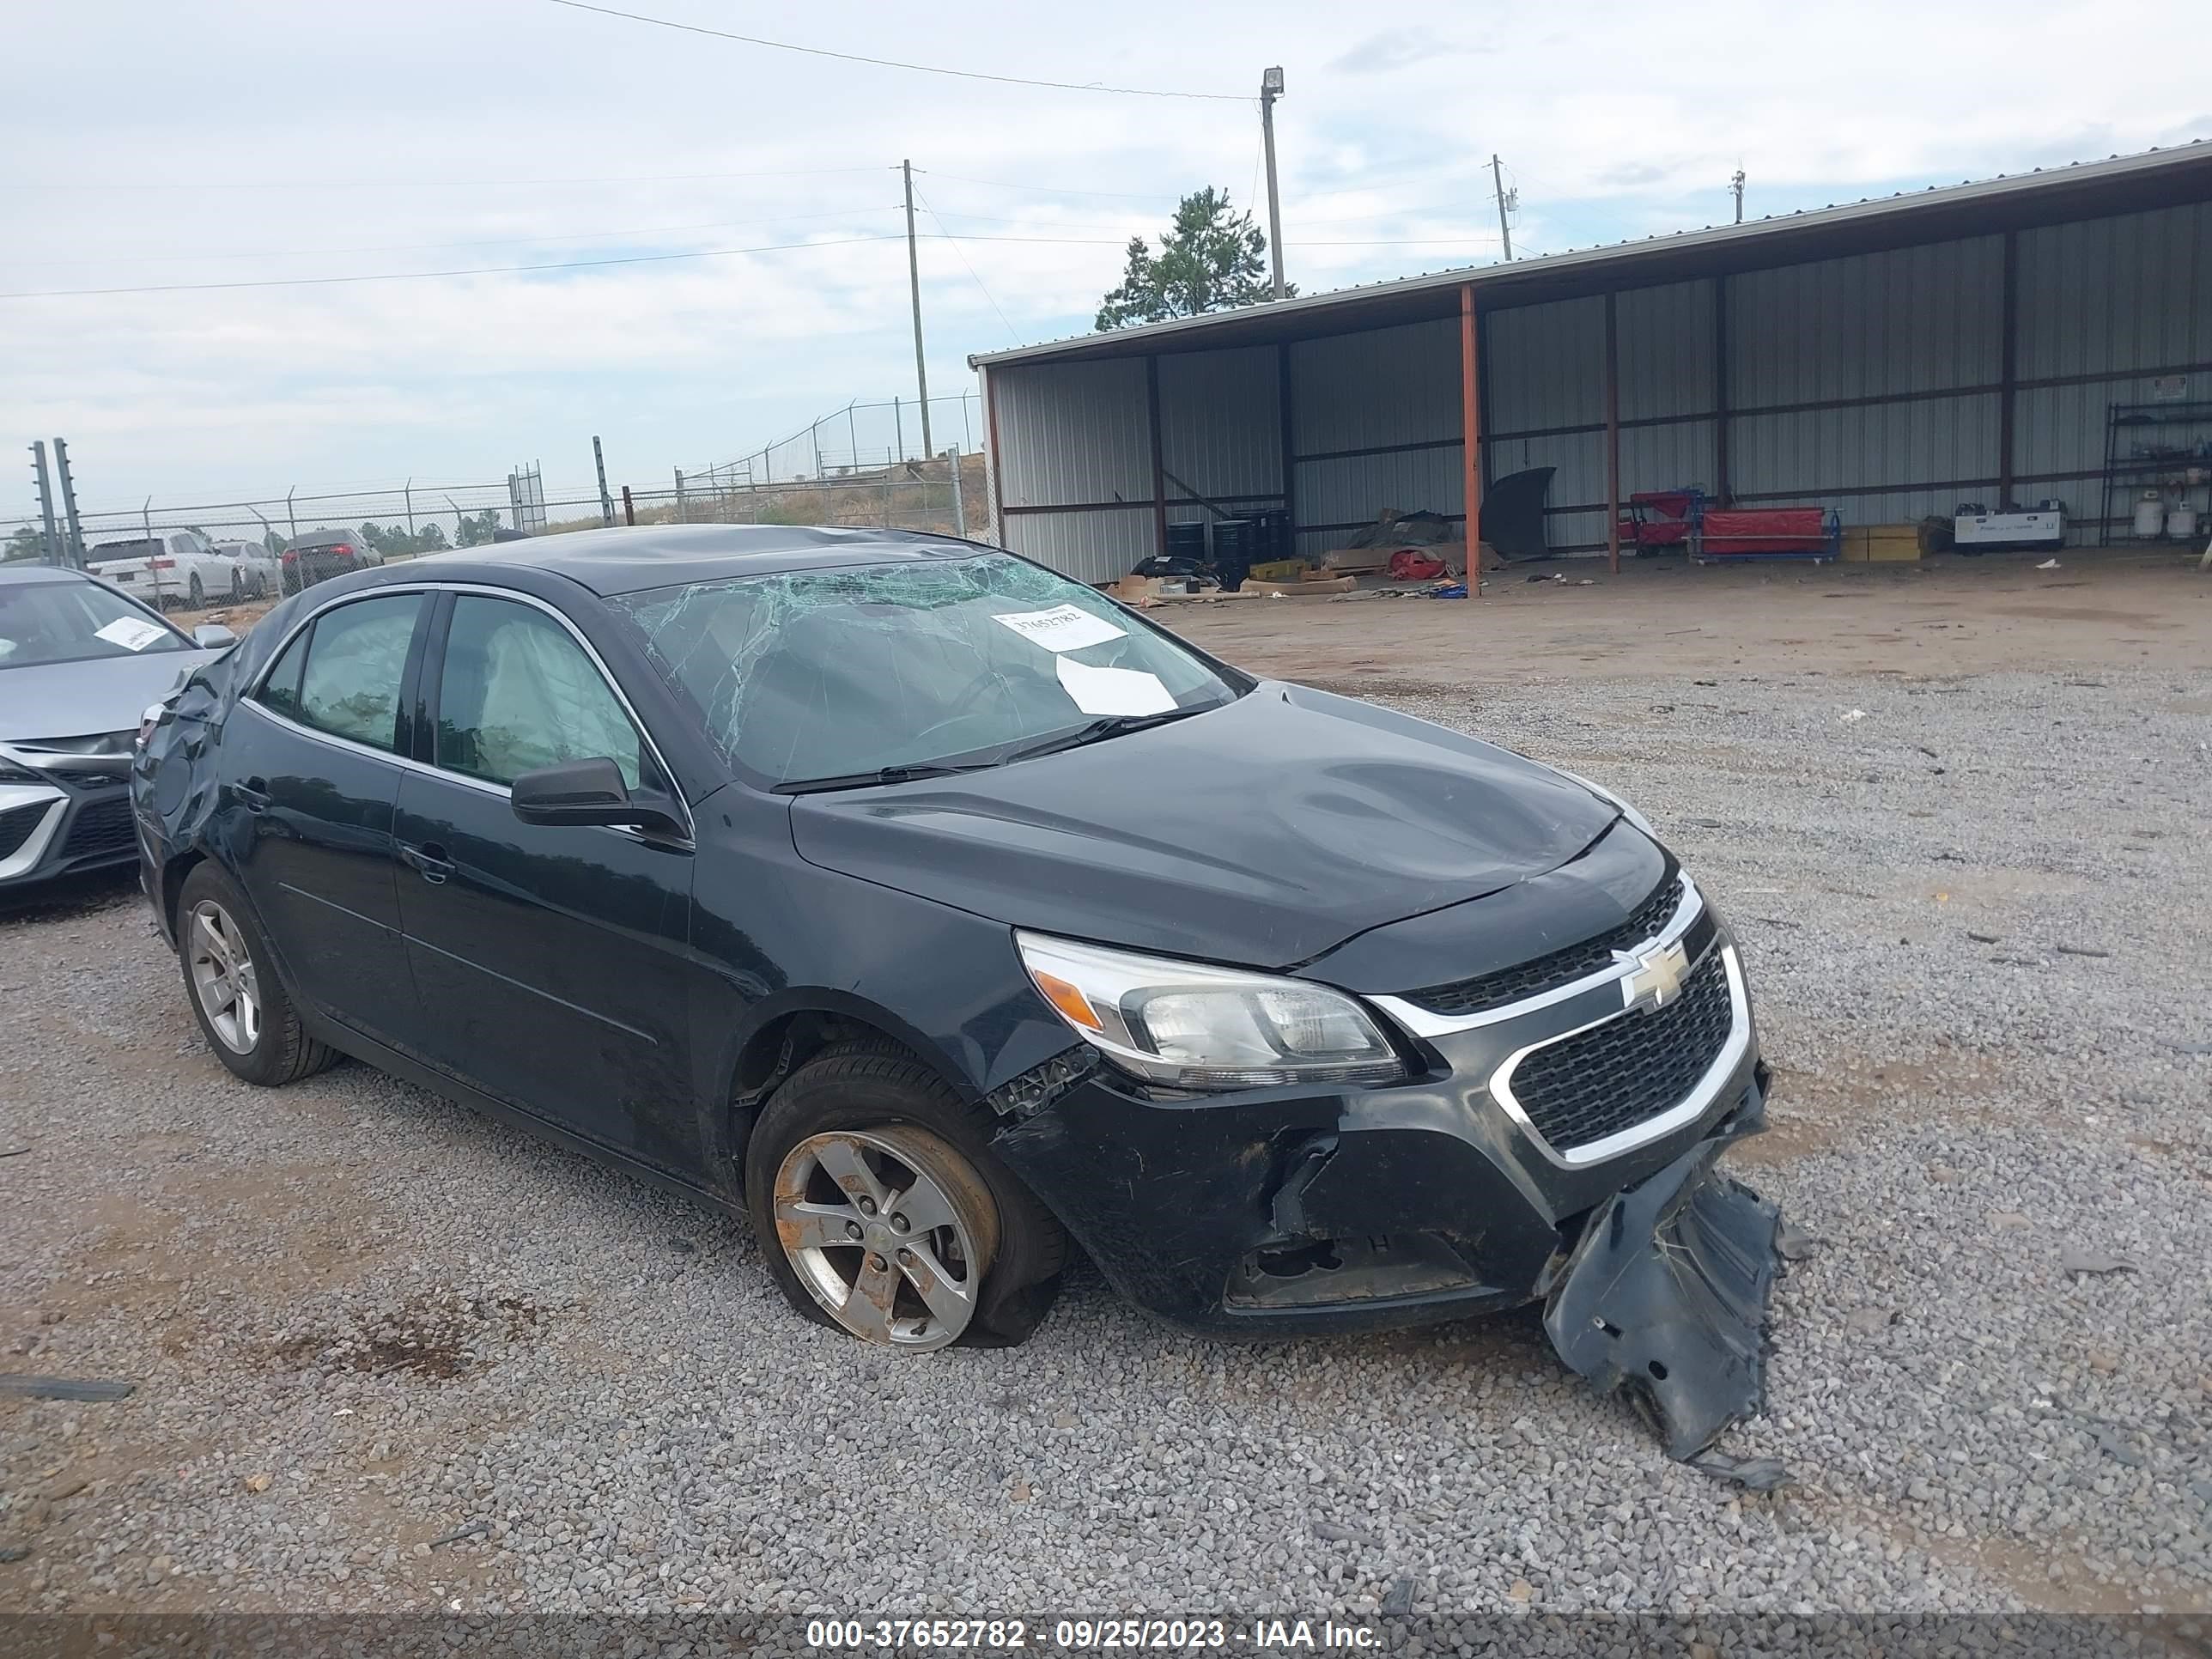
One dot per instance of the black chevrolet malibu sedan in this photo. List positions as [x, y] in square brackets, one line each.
[931, 909]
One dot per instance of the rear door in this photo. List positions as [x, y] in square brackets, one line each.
[313, 760]
[552, 962]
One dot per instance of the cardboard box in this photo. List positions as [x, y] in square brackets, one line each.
[1301, 589]
[1880, 544]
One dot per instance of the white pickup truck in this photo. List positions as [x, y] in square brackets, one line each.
[176, 567]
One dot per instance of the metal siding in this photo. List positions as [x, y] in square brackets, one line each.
[1666, 338]
[1356, 489]
[1666, 457]
[2132, 292]
[1544, 366]
[1220, 420]
[1389, 385]
[1091, 547]
[1912, 319]
[1072, 433]
[1936, 440]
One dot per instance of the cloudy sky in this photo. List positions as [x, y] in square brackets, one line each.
[237, 154]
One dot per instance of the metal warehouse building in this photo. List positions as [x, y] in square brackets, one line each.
[1888, 359]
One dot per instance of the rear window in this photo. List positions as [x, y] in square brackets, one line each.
[111, 551]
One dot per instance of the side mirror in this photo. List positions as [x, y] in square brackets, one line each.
[213, 636]
[589, 792]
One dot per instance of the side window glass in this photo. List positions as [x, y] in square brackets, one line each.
[518, 692]
[281, 690]
[351, 686]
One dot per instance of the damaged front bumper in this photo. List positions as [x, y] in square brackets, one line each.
[1281, 1212]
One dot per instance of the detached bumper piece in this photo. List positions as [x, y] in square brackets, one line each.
[1665, 1296]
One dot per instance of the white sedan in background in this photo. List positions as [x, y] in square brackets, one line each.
[258, 574]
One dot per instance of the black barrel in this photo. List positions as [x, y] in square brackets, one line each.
[1187, 541]
[1274, 540]
[1233, 542]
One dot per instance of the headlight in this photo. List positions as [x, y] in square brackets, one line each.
[1604, 794]
[12, 773]
[150, 719]
[1196, 1027]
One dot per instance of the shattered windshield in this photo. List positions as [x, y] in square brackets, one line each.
[818, 674]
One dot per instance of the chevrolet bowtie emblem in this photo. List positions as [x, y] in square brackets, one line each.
[1657, 980]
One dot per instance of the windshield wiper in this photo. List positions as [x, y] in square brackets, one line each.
[869, 780]
[1110, 725]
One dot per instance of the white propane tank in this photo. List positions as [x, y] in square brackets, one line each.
[2181, 524]
[2150, 516]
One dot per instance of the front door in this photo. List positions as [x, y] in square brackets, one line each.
[313, 765]
[551, 962]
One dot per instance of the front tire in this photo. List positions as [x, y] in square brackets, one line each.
[230, 978]
[237, 586]
[881, 1210]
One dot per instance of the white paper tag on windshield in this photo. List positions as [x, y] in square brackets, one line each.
[1114, 690]
[132, 633]
[1063, 628]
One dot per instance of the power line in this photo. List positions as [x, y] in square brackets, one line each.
[962, 252]
[486, 241]
[1056, 190]
[892, 63]
[429, 184]
[654, 259]
[424, 276]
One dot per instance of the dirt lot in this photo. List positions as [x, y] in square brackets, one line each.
[1957, 816]
[1947, 614]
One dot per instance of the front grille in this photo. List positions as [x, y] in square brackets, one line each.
[103, 827]
[1614, 1075]
[16, 825]
[1548, 973]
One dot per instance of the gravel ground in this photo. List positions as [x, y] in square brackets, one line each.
[361, 1318]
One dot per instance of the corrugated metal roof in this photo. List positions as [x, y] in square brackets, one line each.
[2084, 189]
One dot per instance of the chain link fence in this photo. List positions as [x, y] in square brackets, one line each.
[828, 473]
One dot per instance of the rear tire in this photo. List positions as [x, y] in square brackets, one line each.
[853, 1134]
[230, 978]
[237, 586]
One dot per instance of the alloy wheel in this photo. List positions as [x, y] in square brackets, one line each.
[223, 977]
[890, 1229]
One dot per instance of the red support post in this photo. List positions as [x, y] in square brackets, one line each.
[1470, 405]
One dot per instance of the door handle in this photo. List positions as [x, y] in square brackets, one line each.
[254, 791]
[428, 860]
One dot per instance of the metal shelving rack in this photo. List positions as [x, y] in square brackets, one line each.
[2126, 473]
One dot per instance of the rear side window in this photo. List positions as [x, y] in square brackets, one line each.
[356, 659]
[281, 690]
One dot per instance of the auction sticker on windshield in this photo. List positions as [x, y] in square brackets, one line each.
[1114, 690]
[132, 633]
[1063, 628]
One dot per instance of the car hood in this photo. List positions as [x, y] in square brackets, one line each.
[1261, 833]
[82, 699]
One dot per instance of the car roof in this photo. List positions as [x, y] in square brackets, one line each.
[628, 560]
[23, 575]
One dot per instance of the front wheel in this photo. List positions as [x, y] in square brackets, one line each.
[199, 592]
[237, 586]
[242, 1007]
[882, 1211]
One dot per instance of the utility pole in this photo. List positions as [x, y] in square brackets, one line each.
[606, 502]
[1271, 88]
[74, 552]
[914, 286]
[1736, 184]
[1497, 183]
[959, 504]
[49, 550]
